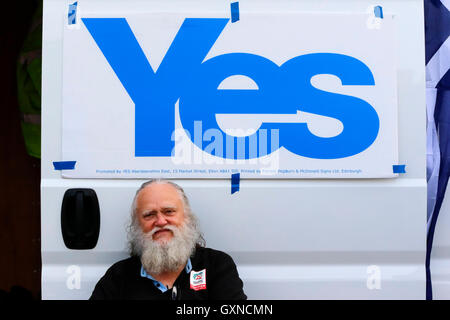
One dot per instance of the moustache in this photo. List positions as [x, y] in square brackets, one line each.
[150, 233]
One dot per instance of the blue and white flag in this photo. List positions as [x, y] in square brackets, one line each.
[437, 44]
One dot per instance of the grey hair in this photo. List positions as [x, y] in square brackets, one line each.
[133, 224]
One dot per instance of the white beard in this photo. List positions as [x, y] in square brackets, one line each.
[157, 257]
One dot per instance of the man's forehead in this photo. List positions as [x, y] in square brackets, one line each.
[162, 194]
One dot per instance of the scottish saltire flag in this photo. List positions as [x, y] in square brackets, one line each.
[437, 45]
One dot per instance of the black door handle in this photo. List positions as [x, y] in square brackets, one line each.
[80, 219]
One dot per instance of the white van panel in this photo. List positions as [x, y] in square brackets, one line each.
[291, 239]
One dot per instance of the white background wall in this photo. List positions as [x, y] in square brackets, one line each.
[296, 239]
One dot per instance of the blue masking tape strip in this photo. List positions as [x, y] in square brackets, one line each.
[234, 11]
[72, 17]
[235, 179]
[399, 168]
[378, 10]
[64, 165]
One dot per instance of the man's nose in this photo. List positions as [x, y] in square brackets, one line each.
[160, 220]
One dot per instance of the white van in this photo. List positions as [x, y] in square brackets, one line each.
[322, 211]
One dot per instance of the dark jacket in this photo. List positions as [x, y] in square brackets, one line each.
[123, 280]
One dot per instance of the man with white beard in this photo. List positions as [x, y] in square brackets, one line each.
[168, 258]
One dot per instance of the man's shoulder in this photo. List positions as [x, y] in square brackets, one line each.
[204, 251]
[212, 255]
[125, 266]
[111, 285]
[221, 274]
